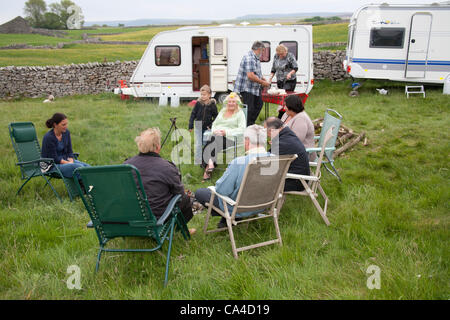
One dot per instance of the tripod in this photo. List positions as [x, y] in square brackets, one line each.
[174, 128]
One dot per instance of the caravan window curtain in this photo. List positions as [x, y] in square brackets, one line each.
[265, 55]
[167, 56]
[387, 38]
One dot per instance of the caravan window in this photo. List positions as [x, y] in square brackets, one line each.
[265, 55]
[387, 38]
[292, 47]
[167, 56]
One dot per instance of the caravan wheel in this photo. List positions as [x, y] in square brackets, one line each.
[220, 97]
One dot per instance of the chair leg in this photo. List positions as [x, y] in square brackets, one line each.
[97, 265]
[317, 204]
[18, 191]
[233, 243]
[172, 227]
[208, 213]
[51, 186]
[277, 227]
[335, 173]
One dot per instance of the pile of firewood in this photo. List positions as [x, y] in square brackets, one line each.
[346, 137]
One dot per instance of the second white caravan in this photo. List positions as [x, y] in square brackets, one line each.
[177, 63]
[400, 42]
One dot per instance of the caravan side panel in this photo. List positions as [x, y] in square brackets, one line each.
[403, 43]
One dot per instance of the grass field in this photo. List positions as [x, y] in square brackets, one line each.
[392, 211]
[73, 53]
[97, 53]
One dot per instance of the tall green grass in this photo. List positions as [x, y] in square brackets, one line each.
[391, 210]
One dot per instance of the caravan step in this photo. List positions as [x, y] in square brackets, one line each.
[416, 89]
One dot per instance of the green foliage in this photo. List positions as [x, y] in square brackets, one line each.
[34, 11]
[61, 10]
[52, 21]
[392, 210]
[320, 19]
[330, 33]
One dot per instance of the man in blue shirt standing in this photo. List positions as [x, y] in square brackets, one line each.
[250, 81]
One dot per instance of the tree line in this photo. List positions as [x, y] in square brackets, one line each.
[53, 17]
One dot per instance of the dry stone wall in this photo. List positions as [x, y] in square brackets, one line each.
[94, 78]
[89, 78]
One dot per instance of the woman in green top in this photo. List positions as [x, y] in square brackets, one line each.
[230, 123]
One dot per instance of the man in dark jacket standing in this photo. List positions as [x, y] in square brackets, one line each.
[160, 178]
[285, 141]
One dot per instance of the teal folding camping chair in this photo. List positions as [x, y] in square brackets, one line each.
[26, 145]
[118, 207]
[328, 122]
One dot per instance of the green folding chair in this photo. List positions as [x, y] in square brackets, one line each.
[118, 207]
[328, 122]
[26, 145]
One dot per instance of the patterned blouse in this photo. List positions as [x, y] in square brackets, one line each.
[281, 67]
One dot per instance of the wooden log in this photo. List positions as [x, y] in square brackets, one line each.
[349, 144]
[342, 140]
[317, 120]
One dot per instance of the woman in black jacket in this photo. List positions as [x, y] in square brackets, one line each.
[203, 115]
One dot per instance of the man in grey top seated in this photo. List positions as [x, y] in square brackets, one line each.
[255, 138]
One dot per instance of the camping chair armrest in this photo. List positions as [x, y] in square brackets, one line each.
[169, 210]
[49, 160]
[301, 177]
[224, 198]
[141, 224]
[309, 150]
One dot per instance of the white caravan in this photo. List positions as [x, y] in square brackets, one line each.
[178, 63]
[400, 42]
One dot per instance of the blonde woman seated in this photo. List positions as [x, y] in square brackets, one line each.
[230, 123]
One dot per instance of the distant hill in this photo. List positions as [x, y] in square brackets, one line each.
[294, 15]
[146, 22]
[254, 17]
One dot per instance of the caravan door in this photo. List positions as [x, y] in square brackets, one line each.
[219, 64]
[419, 38]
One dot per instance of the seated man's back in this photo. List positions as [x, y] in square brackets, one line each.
[285, 141]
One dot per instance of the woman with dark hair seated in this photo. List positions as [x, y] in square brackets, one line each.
[298, 121]
[57, 145]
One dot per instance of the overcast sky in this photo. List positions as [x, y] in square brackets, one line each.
[102, 10]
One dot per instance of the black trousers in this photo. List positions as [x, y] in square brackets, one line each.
[186, 207]
[254, 106]
[288, 85]
[214, 146]
[203, 195]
